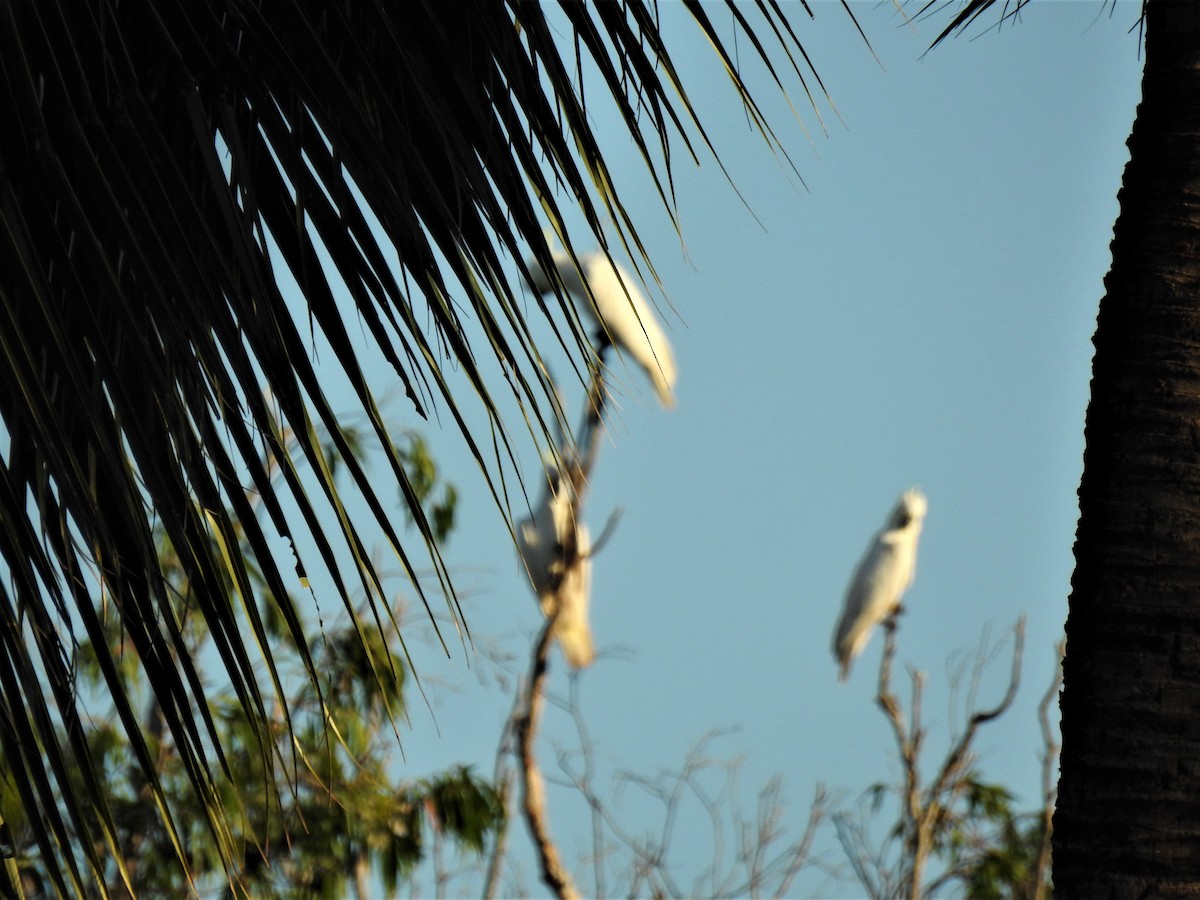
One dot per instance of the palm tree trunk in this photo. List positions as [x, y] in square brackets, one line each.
[1128, 817]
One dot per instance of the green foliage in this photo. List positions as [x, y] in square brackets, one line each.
[308, 788]
[986, 846]
[423, 480]
[994, 848]
[465, 807]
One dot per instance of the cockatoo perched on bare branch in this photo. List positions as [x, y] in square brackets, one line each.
[884, 574]
[555, 549]
[620, 311]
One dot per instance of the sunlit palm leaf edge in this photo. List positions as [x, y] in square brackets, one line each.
[160, 162]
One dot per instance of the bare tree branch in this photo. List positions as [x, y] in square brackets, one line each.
[859, 853]
[758, 867]
[924, 810]
[796, 858]
[503, 777]
[575, 464]
[554, 874]
[491, 881]
[954, 763]
[585, 743]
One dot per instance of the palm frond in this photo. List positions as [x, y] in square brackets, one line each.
[168, 167]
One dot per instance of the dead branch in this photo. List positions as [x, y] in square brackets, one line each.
[554, 874]
[924, 808]
[954, 761]
[885, 699]
[852, 837]
[909, 737]
[574, 469]
[503, 776]
[491, 881]
[586, 788]
[761, 864]
[607, 532]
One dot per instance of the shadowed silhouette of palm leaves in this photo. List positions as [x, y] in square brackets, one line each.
[192, 196]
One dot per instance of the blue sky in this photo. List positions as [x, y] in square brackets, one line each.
[917, 312]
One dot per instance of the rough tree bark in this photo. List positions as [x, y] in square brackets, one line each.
[1128, 817]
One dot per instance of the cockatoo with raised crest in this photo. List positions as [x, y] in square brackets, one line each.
[883, 575]
[555, 549]
[617, 307]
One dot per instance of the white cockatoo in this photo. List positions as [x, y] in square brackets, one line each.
[555, 549]
[884, 574]
[618, 308]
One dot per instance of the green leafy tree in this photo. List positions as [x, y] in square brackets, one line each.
[314, 810]
[1006, 866]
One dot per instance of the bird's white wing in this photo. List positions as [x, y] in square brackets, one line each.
[883, 575]
[619, 310]
[630, 323]
[572, 629]
[873, 594]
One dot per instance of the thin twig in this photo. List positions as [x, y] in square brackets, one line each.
[1049, 785]
[609, 527]
[492, 879]
[585, 787]
[801, 849]
[502, 775]
[853, 840]
[959, 752]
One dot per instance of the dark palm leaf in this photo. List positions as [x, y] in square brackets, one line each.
[164, 164]
[971, 11]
